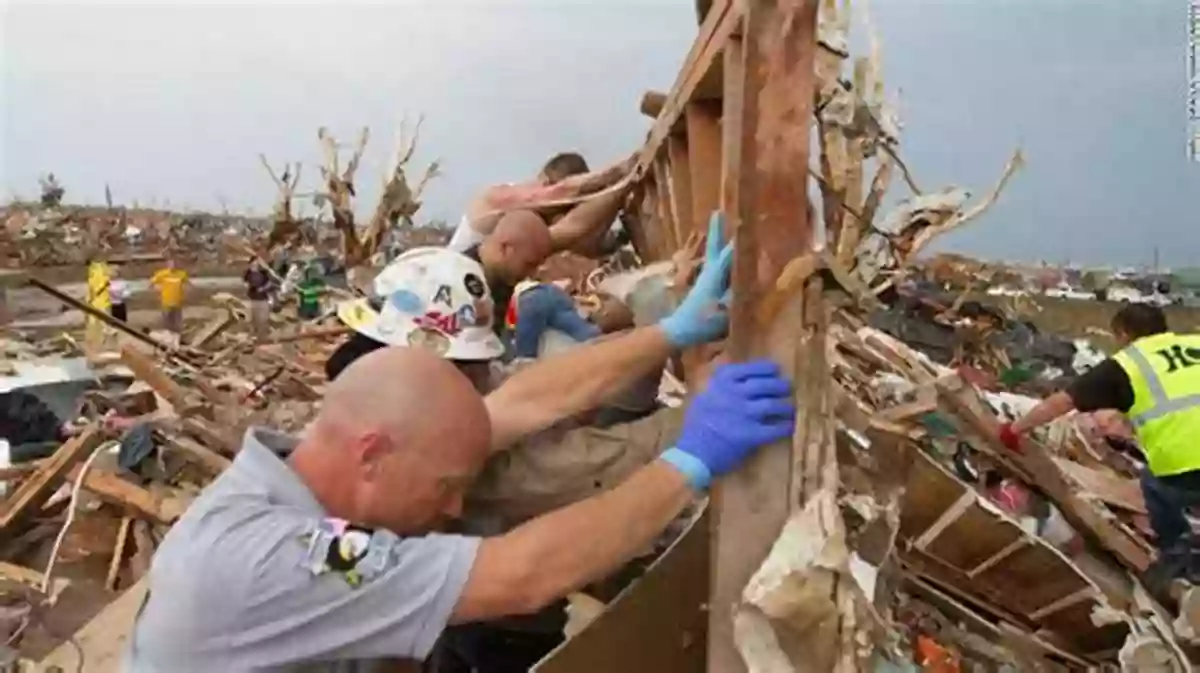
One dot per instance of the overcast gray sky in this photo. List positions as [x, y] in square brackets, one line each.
[172, 103]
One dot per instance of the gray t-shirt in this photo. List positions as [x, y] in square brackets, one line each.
[257, 577]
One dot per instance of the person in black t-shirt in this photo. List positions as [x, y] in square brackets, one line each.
[258, 292]
[1107, 386]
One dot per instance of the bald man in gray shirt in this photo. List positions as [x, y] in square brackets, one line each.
[319, 554]
[284, 599]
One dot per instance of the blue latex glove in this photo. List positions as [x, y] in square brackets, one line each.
[745, 406]
[703, 316]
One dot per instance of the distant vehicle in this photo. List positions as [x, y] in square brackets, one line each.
[1065, 291]
[1006, 291]
[1129, 295]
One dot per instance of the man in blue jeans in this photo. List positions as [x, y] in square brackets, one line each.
[547, 306]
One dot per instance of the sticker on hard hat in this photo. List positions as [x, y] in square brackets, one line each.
[446, 323]
[405, 301]
[442, 296]
[474, 285]
[430, 340]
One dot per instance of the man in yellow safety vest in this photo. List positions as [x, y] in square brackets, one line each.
[1155, 381]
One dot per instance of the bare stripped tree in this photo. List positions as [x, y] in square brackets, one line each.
[339, 188]
[398, 200]
[284, 226]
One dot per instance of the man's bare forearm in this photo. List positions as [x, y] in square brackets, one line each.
[573, 382]
[568, 548]
[1047, 410]
[595, 181]
[586, 219]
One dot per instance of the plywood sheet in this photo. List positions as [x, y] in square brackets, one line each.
[104, 639]
[657, 624]
[954, 536]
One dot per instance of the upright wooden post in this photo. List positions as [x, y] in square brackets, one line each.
[769, 98]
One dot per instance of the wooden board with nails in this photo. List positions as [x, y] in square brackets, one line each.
[725, 136]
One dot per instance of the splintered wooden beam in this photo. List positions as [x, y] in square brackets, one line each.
[666, 211]
[38, 488]
[768, 212]
[653, 103]
[145, 369]
[131, 497]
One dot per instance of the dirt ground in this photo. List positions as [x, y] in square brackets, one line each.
[131, 271]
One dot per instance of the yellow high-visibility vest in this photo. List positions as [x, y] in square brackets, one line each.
[98, 277]
[1164, 371]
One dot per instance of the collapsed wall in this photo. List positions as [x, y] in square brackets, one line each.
[883, 533]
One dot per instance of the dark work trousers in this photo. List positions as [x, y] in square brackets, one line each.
[1167, 500]
[491, 648]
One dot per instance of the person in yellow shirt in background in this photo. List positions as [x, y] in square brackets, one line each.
[99, 275]
[171, 282]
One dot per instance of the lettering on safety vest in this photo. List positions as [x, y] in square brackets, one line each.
[1178, 357]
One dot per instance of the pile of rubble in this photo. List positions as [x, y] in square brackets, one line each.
[916, 540]
[151, 421]
[917, 533]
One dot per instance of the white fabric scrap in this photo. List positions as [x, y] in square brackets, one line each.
[795, 584]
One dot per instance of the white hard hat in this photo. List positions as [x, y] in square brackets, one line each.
[429, 298]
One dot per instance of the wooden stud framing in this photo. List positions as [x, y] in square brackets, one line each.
[681, 187]
[666, 209]
[947, 518]
[1074, 598]
[720, 23]
[704, 149]
[990, 562]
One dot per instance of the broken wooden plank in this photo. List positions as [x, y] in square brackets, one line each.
[213, 328]
[133, 498]
[38, 488]
[303, 335]
[17, 574]
[722, 22]
[1105, 486]
[150, 373]
[11, 572]
[221, 440]
[118, 557]
[1035, 461]
[771, 221]
[212, 461]
[21, 471]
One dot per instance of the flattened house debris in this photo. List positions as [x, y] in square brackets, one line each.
[893, 533]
